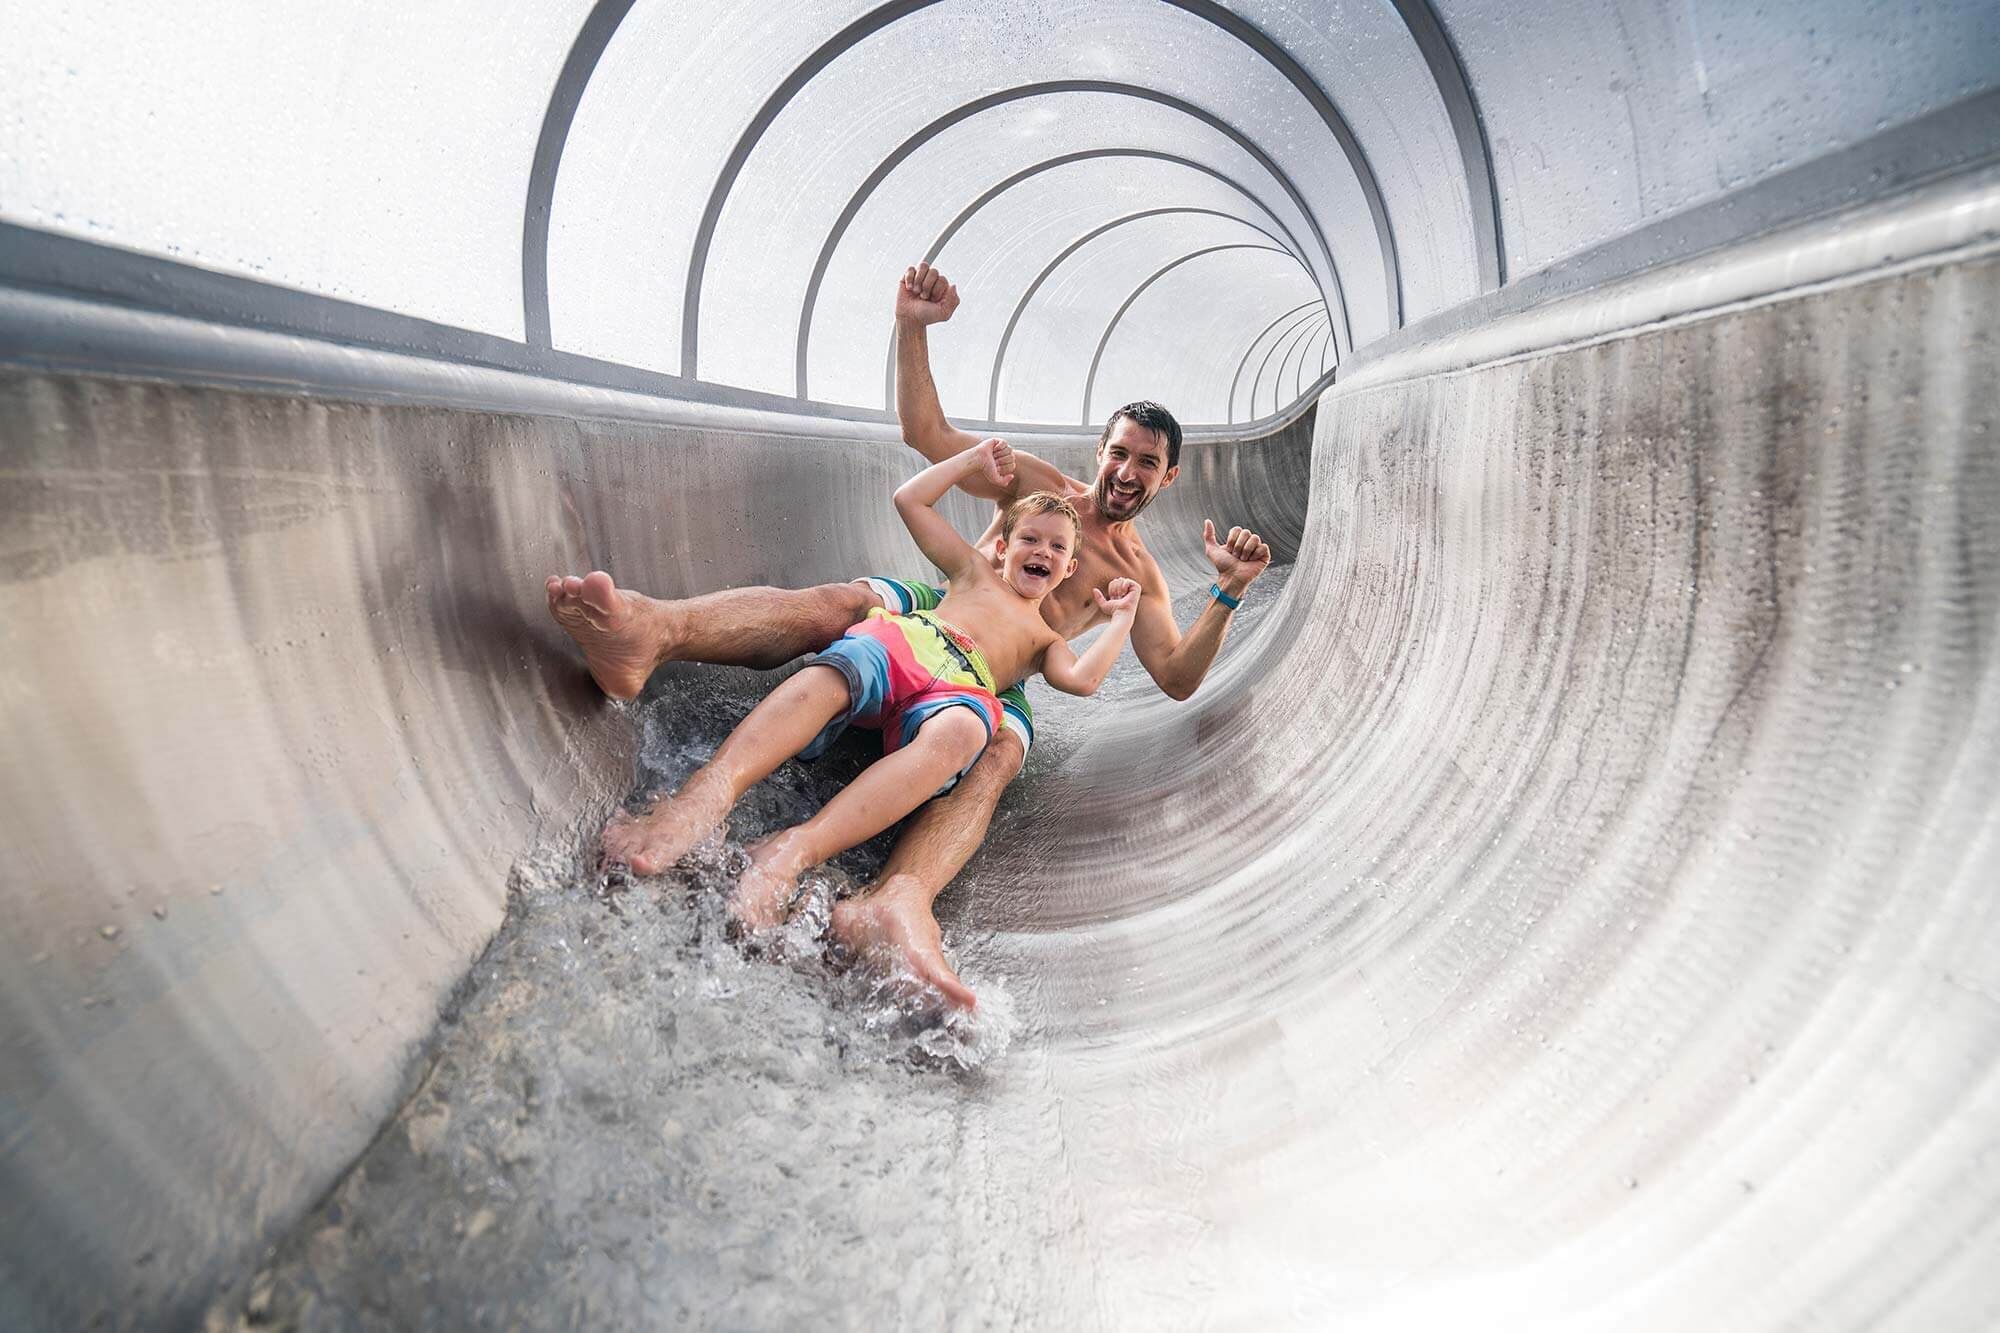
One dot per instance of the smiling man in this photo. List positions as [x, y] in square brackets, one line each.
[625, 635]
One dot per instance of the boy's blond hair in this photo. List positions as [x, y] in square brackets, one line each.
[1041, 502]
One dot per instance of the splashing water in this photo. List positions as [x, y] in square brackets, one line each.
[625, 1119]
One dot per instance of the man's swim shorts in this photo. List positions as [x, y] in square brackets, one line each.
[900, 597]
[901, 671]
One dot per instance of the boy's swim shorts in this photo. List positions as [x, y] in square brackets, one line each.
[901, 671]
[901, 597]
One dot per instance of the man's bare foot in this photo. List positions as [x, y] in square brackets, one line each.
[622, 633]
[763, 897]
[886, 930]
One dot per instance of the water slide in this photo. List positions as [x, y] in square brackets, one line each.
[1569, 902]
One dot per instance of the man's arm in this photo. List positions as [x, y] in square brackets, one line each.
[923, 298]
[1177, 662]
[916, 501]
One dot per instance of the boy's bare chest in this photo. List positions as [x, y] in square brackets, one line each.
[1008, 629]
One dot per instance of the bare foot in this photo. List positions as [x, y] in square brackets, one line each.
[661, 834]
[763, 897]
[886, 929]
[622, 633]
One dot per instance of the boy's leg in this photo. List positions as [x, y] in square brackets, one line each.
[886, 791]
[892, 917]
[783, 724]
[625, 635]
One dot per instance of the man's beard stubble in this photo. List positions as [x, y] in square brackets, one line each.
[1101, 497]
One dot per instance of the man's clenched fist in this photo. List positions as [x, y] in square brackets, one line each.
[924, 296]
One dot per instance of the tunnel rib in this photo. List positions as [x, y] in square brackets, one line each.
[1468, 127]
[970, 109]
[967, 213]
[1021, 306]
[1090, 381]
[1237, 379]
[1296, 337]
[591, 40]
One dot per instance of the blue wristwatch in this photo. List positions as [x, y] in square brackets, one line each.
[1215, 591]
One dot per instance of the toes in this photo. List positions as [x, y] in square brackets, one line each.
[571, 585]
[599, 593]
[946, 981]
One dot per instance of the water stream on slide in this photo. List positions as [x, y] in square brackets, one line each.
[624, 1120]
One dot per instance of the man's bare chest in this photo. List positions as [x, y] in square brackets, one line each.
[1072, 608]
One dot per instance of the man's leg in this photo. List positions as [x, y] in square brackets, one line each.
[625, 635]
[885, 791]
[892, 919]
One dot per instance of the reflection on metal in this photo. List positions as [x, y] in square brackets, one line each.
[1281, 60]
[591, 39]
[966, 214]
[1003, 98]
[1257, 342]
[1090, 380]
[1289, 341]
[1469, 128]
[1021, 306]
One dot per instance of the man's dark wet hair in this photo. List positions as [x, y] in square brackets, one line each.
[1151, 416]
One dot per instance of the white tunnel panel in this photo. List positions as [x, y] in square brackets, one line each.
[1180, 341]
[375, 152]
[866, 104]
[1362, 55]
[1005, 245]
[998, 251]
[666, 105]
[1061, 327]
[1604, 117]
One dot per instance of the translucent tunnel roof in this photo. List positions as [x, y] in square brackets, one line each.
[1210, 204]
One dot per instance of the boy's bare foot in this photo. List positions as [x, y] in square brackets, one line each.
[661, 834]
[885, 929]
[763, 897]
[623, 634]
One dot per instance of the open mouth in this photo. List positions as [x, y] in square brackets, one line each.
[1035, 569]
[1125, 495]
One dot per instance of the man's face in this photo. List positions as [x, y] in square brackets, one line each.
[1040, 554]
[1131, 470]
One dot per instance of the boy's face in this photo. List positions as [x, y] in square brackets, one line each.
[1040, 554]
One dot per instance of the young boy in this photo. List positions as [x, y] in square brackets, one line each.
[928, 680]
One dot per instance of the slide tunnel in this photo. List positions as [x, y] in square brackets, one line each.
[1572, 900]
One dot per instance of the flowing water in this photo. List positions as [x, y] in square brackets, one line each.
[624, 1119]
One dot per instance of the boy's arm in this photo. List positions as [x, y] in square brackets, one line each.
[1062, 668]
[923, 298]
[1176, 662]
[916, 502]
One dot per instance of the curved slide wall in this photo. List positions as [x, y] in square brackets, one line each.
[1573, 903]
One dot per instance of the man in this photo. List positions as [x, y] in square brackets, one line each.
[626, 635]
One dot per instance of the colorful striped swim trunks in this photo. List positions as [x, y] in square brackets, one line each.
[901, 597]
[902, 670]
